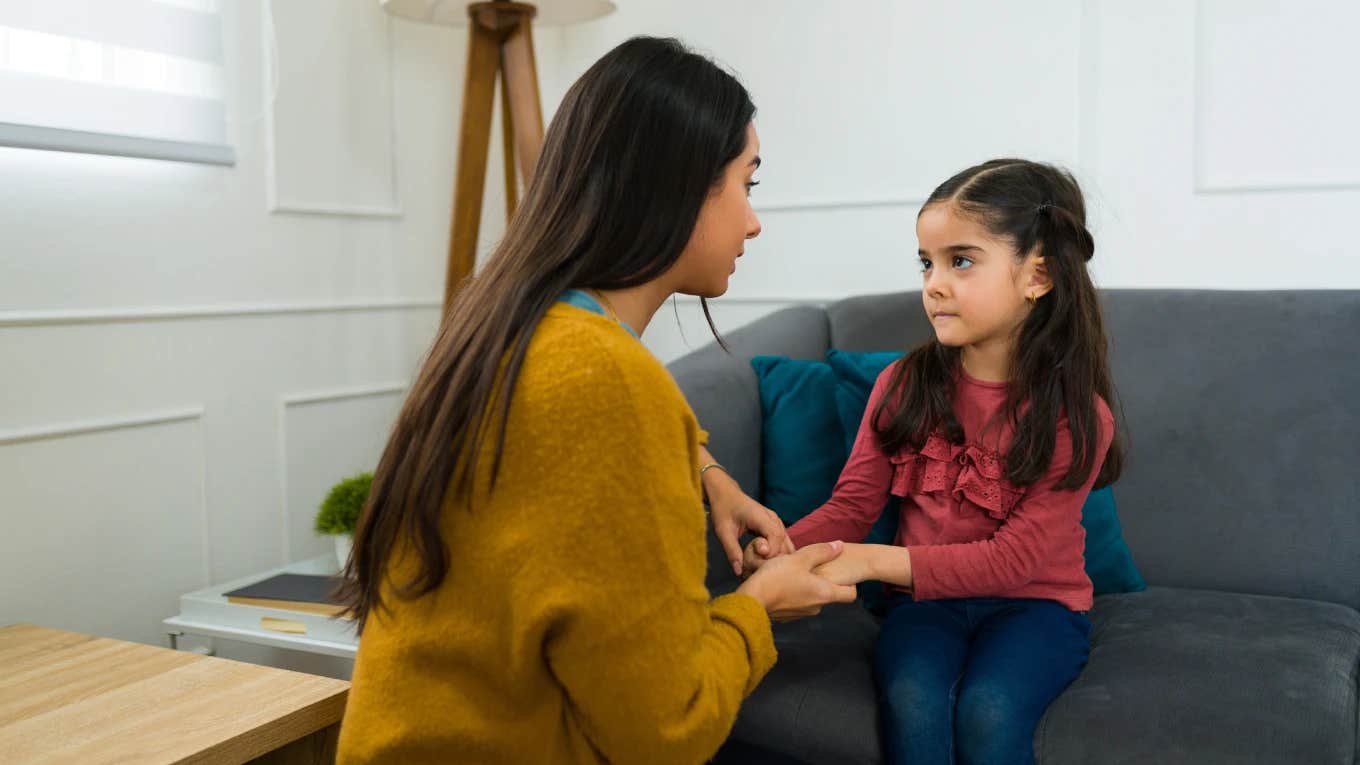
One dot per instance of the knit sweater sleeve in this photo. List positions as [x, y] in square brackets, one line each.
[654, 669]
[1026, 540]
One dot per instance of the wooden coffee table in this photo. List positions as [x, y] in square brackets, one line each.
[72, 698]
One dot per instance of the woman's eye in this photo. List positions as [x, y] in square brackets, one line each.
[961, 262]
[751, 185]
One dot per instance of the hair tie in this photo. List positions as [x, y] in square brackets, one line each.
[1043, 206]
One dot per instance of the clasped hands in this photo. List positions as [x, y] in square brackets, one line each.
[809, 578]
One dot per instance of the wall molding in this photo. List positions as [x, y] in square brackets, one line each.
[761, 300]
[273, 204]
[99, 425]
[342, 394]
[1270, 188]
[838, 203]
[64, 317]
[1268, 185]
[1087, 112]
[194, 414]
[302, 208]
[306, 399]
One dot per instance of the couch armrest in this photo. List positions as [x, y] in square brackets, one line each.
[722, 391]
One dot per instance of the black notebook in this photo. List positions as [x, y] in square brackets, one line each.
[298, 592]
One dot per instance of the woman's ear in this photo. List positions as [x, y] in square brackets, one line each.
[1038, 283]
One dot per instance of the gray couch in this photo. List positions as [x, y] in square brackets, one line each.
[1240, 500]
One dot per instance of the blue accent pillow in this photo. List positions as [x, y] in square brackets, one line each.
[856, 374]
[1109, 563]
[791, 473]
[804, 447]
[806, 444]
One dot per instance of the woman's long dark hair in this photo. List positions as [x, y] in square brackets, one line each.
[630, 158]
[1059, 359]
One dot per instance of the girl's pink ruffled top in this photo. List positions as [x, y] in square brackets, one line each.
[970, 532]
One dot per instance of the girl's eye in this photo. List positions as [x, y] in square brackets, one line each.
[751, 185]
[961, 262]
[925, 265]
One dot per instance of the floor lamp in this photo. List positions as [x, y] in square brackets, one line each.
[500, 41]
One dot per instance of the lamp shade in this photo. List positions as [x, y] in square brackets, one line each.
[453, 13]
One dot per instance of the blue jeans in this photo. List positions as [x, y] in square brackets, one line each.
[968, 680]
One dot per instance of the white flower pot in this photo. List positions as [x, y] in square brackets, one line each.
[343, 543]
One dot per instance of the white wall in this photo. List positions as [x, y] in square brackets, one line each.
[1214, 138]
[185, 371]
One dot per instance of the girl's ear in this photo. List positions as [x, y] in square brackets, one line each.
[1038, 284]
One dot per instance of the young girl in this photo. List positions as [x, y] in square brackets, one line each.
[528, 574]
[993, 433]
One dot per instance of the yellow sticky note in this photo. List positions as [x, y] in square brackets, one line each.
[275, 624]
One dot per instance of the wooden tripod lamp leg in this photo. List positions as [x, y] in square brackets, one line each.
[521, 86]
[500, 39]
[474, 139]
[508, 151]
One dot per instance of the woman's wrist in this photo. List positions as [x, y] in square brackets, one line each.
[718, 485]
[754, 588]
[720, 488]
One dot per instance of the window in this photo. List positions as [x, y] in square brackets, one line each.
[139, 78]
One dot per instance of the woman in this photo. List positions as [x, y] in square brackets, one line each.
[528, 575]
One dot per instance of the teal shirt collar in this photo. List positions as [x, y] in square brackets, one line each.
[582, 299]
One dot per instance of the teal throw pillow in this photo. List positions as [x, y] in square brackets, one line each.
[856, 374]
[804, 448]
[1109, 563]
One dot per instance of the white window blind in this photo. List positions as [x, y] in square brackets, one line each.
[138, 78]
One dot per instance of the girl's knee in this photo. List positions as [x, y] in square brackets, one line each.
[915, 699]
[993, 725]
[986, 709]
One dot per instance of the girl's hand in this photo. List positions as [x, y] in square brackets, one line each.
[758, 552]
[788, 588]
[852, 566]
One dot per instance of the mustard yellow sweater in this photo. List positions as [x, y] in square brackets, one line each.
[574, 625]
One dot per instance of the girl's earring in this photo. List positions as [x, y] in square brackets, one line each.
[1031, 300]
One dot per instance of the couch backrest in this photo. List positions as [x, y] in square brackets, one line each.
[1243, 425]
[722, 388]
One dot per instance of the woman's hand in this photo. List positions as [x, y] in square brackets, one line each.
[734, 513]
[787, 587]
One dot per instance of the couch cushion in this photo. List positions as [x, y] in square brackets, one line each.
[1196, 676]
[819, 703]
[1175, 676]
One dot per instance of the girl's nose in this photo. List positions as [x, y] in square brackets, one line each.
[935, 284]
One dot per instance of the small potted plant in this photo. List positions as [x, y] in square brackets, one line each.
[339, 512]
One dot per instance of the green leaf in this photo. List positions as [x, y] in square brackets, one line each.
[339, 511]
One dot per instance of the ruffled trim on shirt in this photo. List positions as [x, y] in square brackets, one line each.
[967, 471]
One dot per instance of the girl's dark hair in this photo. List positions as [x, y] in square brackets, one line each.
[631, 155]
[1059, 359]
